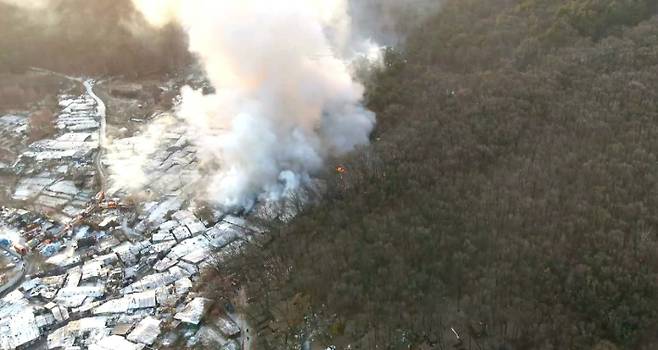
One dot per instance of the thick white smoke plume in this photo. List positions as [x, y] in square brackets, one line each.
[284, 98]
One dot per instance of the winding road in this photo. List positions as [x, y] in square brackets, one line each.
[102, 113]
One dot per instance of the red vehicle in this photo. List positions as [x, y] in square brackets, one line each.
[22, 250]
[110, 205]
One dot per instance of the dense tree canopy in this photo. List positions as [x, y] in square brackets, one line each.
[510, 193]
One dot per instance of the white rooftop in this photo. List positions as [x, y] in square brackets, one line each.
[146, 331]
[193, 311]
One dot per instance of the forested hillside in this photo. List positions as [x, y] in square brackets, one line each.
[510, 193]
[99, 37]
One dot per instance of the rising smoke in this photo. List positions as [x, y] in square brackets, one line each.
[285, 98]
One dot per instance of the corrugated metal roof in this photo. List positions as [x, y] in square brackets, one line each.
[146, 332]
[115, 342]
[65, 336]
[18, 329]
[128, 302]
[193, 311]
[122, 328]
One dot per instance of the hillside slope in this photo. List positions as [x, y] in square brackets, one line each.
[511, 192]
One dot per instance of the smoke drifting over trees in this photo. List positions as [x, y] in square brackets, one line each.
[387, 22]
[100, 37]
